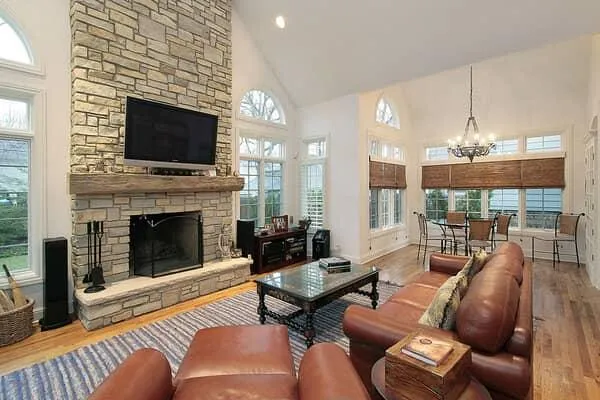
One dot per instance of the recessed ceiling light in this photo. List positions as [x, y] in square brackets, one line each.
[280, 21]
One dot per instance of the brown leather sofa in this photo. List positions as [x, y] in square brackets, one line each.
[494, 318]
[236, 362]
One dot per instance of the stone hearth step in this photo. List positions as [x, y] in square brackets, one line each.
[139, 295]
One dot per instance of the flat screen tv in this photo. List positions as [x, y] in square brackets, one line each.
[164, 136]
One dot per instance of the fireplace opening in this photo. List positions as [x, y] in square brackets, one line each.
[162, 244]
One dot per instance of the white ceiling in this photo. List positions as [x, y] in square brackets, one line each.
[331, 48]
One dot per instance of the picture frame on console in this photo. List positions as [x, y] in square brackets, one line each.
[279, 223]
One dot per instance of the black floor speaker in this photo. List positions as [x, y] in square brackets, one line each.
[56, 284]
[245, 236]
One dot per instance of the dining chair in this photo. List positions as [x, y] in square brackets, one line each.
[565, 230]
[425, 237]
[481, 234]
[456, 236]
[502, 226]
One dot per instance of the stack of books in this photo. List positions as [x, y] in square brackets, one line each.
[427, 349]
[335, 264]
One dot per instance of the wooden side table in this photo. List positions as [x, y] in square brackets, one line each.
[473, 391]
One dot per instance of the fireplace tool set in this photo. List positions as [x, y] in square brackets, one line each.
[95, 232]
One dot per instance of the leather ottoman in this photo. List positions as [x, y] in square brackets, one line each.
[238, 350]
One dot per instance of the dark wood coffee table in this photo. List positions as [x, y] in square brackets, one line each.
[310, 287]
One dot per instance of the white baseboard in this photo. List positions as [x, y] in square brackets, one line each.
[382, 252]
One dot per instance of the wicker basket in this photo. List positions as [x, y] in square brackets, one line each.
[17, 324]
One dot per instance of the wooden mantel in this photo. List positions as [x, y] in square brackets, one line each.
[83, 184]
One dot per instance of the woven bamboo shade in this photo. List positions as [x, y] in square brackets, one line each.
[435, 177]
[543, 173]
[499, 174]
[517, 174]
[386, 175]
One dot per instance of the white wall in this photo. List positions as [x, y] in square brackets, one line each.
[379, 242]
[250, 71]
[541, 90]
[345, 169]
[46, 25]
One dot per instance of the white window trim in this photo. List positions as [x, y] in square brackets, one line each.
[382, 140]
[262, 159]
[381, 230]
[306, 160]
[37, 224]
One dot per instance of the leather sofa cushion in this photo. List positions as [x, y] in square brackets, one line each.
[513, 249]
[432, 279]
[238, 350]
[415, 293]
[486, 315]
[238, 387]
[509, 262]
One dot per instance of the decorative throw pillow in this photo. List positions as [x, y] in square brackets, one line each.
[441, 313]
[478, 263]
[462, 280]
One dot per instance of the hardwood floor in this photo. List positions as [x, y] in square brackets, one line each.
[566, 320]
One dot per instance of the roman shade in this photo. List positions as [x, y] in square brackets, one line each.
[386, 175]
[435, 176]
[516, 174]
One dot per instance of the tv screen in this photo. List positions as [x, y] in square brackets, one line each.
[160, 135]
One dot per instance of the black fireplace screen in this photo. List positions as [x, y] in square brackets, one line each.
[163, 244]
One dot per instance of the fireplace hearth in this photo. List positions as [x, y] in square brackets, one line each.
[162, 244]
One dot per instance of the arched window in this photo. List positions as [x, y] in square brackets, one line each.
[258, 104]
[13, 48]
[385, 114]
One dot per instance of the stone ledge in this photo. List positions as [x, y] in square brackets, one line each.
[136, 296]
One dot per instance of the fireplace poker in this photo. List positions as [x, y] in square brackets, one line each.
[87, 278]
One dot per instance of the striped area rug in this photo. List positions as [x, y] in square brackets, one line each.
[74, 375]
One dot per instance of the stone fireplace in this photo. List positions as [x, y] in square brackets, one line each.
[172, 51]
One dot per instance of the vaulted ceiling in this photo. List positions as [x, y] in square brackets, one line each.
[331, 48]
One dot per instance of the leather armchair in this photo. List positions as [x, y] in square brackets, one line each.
[325, 373]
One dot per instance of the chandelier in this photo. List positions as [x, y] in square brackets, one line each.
[477, 147]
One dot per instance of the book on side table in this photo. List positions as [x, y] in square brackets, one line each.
[428, 349]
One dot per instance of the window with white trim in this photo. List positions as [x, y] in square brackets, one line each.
[312, 182]
[543, 143]
[386, 115]
[380, 149]
[541, 207]
[385, 208]
[13, 48]
[261, 166]
[16, 136]
[436, 153]
[469, 201]
[436, 204]
[504, 201]
[262, 106]
[506, 146]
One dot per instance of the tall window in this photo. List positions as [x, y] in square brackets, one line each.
[385, 114]
[469, 201]
[312, 182]
[13, 48]
[15, 144]
[436, 204]
[541, 207]
[504, 201]
[261, 166]
[16, 149]
[385, 208]
[259, 105]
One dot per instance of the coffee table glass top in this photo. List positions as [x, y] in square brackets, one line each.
[310, 281]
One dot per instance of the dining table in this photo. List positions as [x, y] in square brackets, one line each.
[454, 228]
